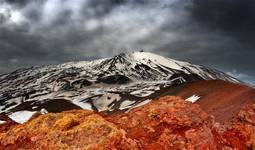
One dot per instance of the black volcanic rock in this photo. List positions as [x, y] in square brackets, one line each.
[186, 77]
[114, 79]
[81, 83]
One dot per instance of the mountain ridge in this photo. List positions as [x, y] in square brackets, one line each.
[110, 84]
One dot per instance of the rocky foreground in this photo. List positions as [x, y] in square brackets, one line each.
[166, 123]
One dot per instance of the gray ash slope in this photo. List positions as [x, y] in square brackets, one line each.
[112, 84]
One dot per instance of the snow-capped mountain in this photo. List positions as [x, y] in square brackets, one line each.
[117, 83]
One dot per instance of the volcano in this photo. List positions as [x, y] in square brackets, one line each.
[118, 84]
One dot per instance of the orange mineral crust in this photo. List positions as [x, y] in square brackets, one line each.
[165, 123]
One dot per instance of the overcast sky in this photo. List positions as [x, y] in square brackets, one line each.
[215, 33]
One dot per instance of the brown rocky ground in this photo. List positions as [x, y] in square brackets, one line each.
[220, 98]
[166, 123]
[8, 125]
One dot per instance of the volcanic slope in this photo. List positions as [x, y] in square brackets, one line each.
[110, 85]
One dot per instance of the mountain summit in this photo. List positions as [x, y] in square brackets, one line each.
[118, 83]
[149, 66]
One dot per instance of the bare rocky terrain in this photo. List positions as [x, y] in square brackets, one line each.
[165, 123]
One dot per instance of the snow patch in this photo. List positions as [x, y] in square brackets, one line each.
[193, 98]
[83, 105]
[143, 103]
[2, 122]
[43, 111]
[22, 116]
[142, 93]
[34, 107]
[126, 104]
[105, 101]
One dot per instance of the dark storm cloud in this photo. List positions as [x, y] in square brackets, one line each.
[218, 33]
[18, 2]
[233, 17]
[234, 21]
[4, 18]
[103, 7]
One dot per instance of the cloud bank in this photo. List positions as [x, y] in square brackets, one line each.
[216, 33]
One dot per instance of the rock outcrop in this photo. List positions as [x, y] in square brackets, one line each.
[165, 123]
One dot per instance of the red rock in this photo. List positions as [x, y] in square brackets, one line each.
[166, 123]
